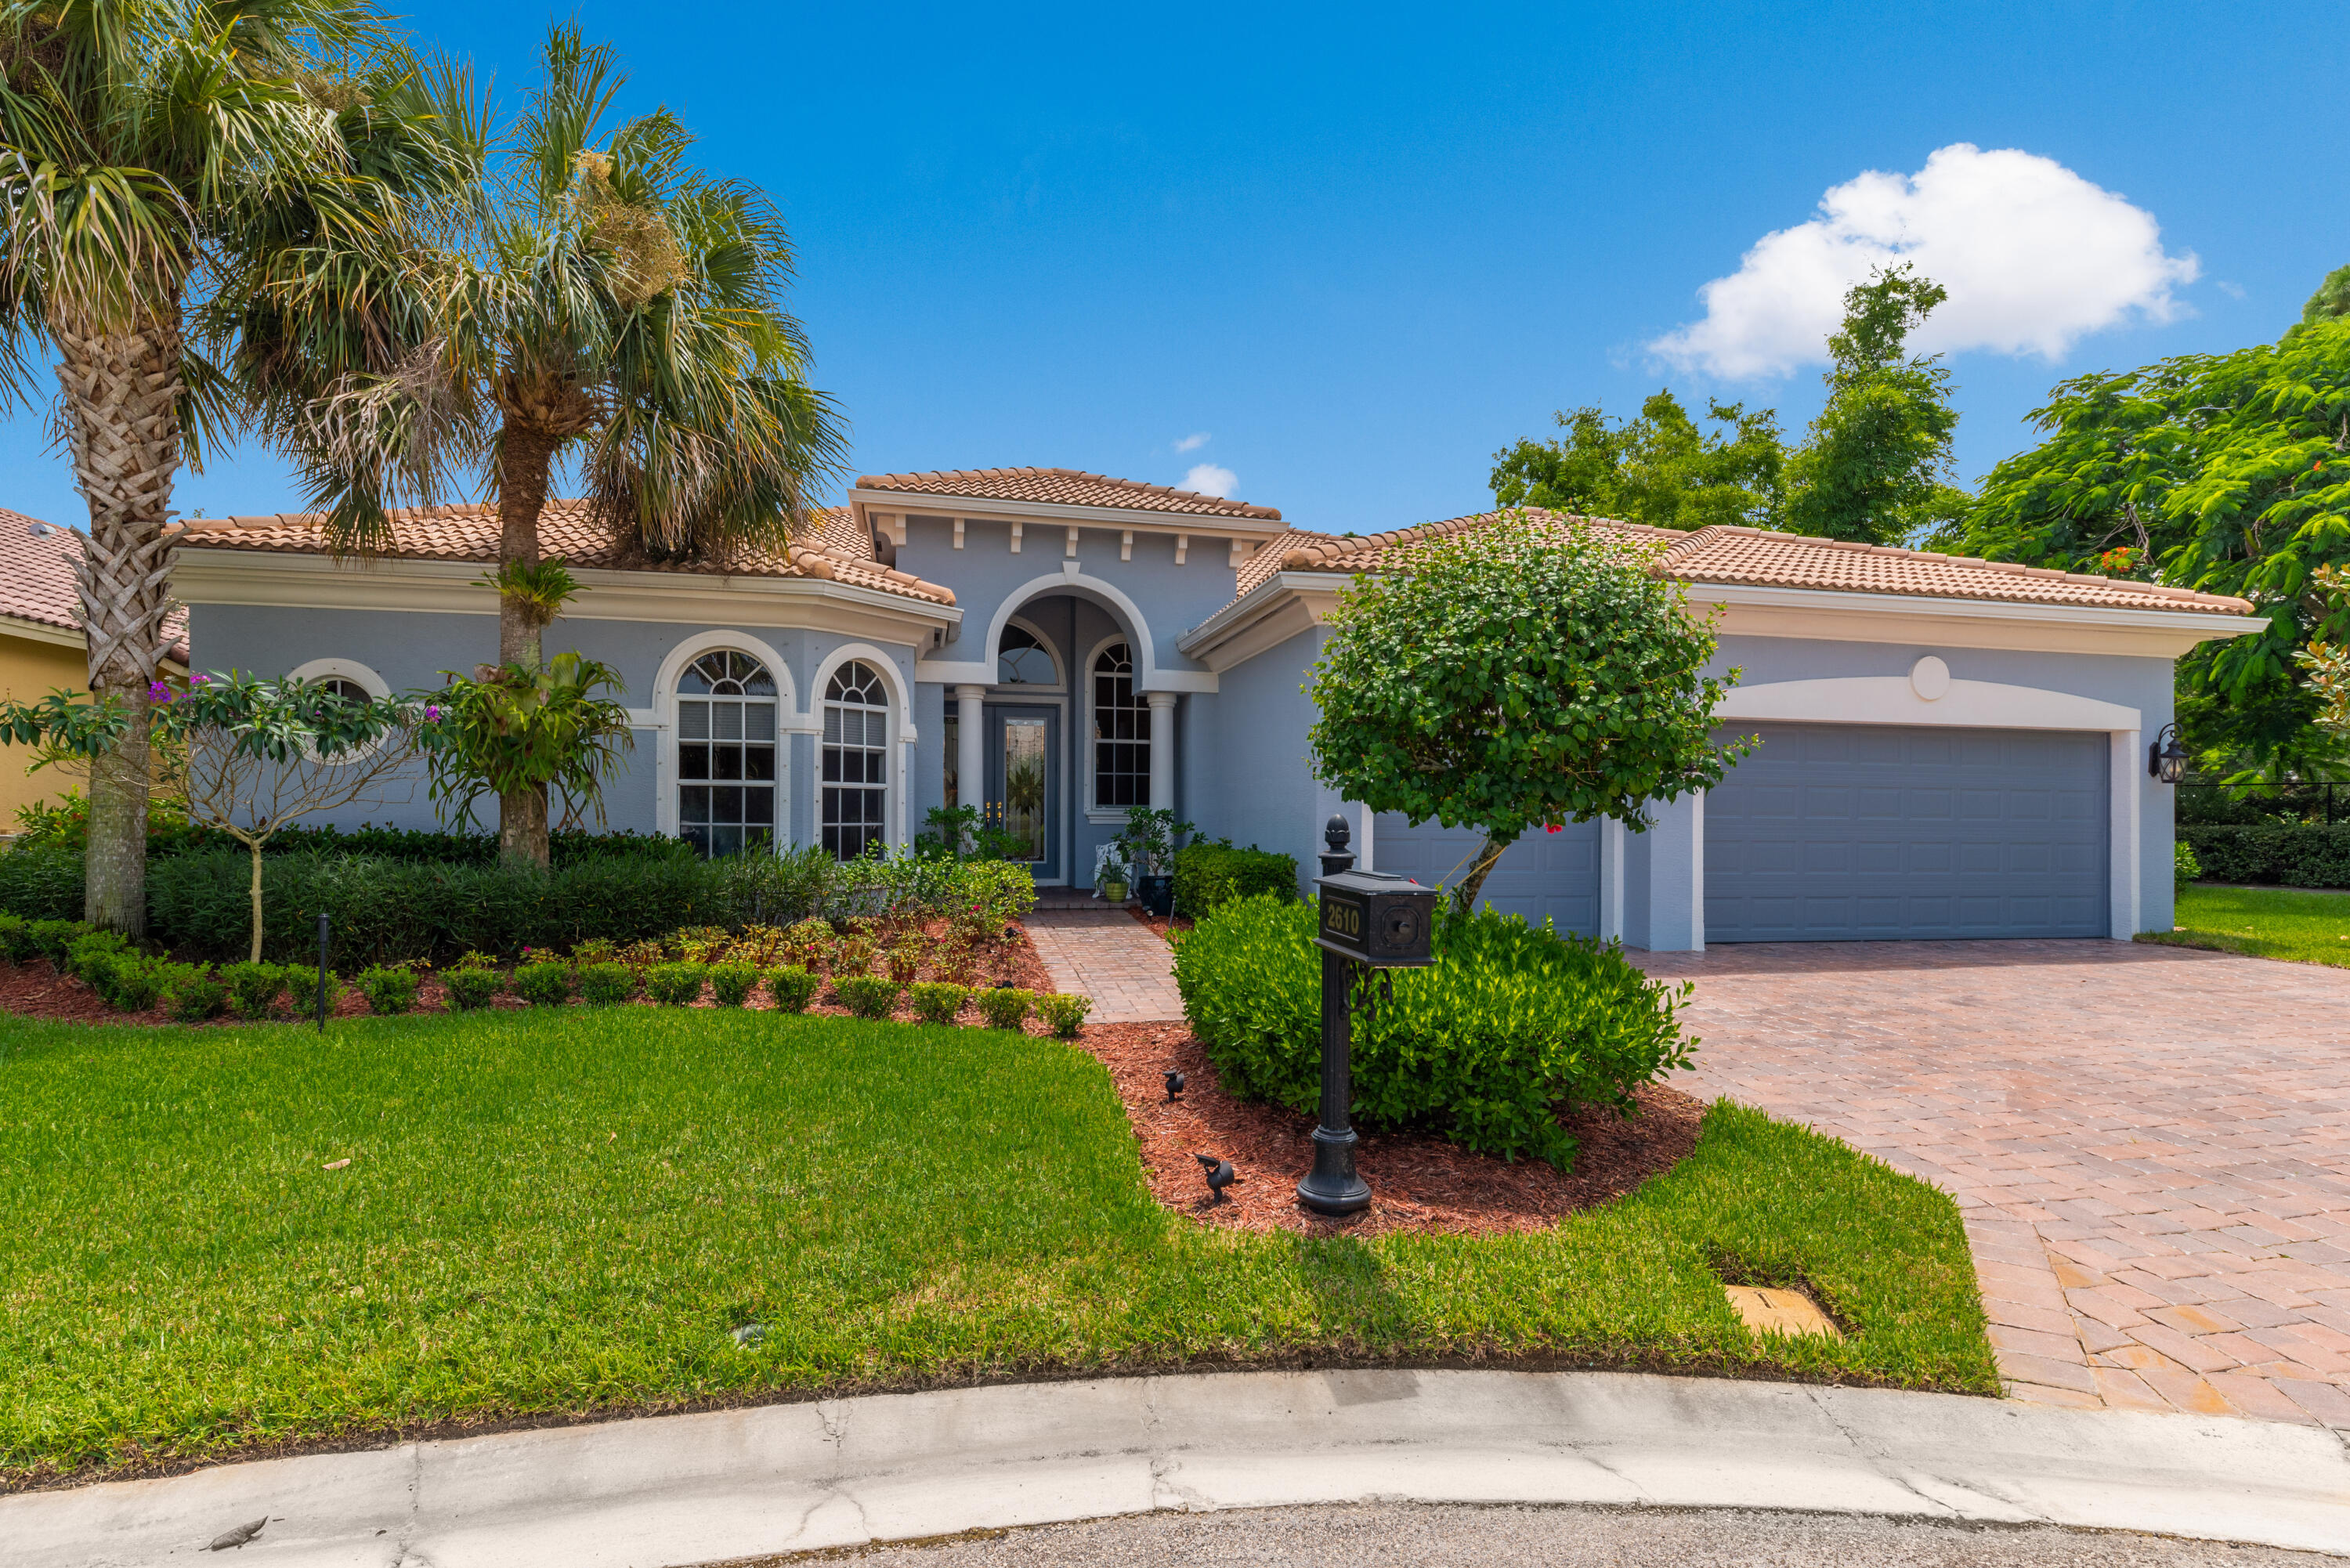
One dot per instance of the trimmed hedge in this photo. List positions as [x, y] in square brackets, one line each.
[1210, 873]
[2287, 855]
[42, 882]
[1511, 1025]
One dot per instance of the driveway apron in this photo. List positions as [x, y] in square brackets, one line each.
[2150, 1146]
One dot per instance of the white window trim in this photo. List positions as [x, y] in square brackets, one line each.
[995, 663]
[893, 680]
[662, 719]
[1105, 815]
[350, 670]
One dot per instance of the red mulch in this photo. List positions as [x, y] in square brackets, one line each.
[1164, 927]
[1419, 1182]
[36, 991]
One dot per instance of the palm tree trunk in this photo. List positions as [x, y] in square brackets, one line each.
[1464, 895]
[122, 391]
[525, 463]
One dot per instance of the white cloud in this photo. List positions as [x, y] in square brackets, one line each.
[2232, 290]
[1208, 479]
[2034, 257]
[1192, 442]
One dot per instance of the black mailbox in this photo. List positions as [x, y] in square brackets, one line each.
[1375, 918]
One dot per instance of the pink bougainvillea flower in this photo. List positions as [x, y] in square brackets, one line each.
[157, 692]
[200, 680]
[432, 709]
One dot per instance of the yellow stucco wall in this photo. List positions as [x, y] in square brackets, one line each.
[30, 671]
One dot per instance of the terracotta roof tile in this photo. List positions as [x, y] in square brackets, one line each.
[37, 578]
[1066, 487]
[1759, 557]
[836, 549]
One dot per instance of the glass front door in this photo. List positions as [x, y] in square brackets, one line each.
[1023, 783]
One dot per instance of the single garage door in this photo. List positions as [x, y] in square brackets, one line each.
[1837, 832]
[1543, 876]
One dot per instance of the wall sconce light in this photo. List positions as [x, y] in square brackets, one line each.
[2167, 759]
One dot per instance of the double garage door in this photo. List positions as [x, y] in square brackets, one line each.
[1842, 832]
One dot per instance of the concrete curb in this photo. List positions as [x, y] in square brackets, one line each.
[789, 1478]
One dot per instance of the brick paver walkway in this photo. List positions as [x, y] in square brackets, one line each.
[1111, 956]
[2151, 1146]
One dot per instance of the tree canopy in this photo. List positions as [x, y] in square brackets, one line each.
[1661, 469]
[1518, 676]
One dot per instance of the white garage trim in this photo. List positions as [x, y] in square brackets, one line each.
[1976, 705]
[1894, 700]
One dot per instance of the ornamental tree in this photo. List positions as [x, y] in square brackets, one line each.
[1523, 675]
[511, 730]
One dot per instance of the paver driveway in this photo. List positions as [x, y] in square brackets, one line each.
[2151, 1146]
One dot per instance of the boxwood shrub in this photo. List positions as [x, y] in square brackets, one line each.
[791, 987]
[2287, 854]
[1212, 872]
[388, 991]
[1511, 1025]
[606, 984]
[866, 995]
[42, 882]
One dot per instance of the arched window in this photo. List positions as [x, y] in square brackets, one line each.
[855, 761]
[1121, 731]
[1023, 661]
[726, 754]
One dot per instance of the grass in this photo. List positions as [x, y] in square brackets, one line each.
[2263, 922]
[549, 1211]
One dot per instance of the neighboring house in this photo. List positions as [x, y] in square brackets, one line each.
[41, 648]
[1952, 748]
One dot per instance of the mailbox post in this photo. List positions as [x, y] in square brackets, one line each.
[1376, 921]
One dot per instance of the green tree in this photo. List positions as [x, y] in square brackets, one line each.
[160, 160]
[2222, 472]
[1661, 469]
[611, 306]
[1876, 465]
[1518, 676]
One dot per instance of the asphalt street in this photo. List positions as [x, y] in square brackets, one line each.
[1411, 1535]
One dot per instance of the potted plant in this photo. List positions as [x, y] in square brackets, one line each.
[1111, 880]
[1150, 841]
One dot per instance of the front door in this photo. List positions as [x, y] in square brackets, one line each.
[1023, 785]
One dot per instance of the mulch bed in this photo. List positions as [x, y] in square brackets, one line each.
[1418, 1182]
[36, 991]
[1165, 927]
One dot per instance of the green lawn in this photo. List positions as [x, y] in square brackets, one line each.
[2265, 923]
[571, 1210]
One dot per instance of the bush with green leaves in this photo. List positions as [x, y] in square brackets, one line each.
[91, 960]
[1063, 1014]
[2284, 853]
[866, 995]
[1510, 1026]
[191, 993]
[791, 987]
[302, 989]
[16, 938]
[1005, 1006]
[731, 984]
[125, 979]
[388, 990]
[2184, 867]
[547, 983]
[254, 988]
[42, 881]
[936, 1001]
[473, 986]
[606, 984]
[52, 938]
[1209, 874]
[675, 984]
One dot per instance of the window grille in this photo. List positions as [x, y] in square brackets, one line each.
[1121, 731]
[856, 762]
[726, 754]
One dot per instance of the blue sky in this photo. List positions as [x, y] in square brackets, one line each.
[1359, 248]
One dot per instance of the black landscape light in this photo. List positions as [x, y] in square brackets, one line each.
[322, 971]
[1375, 921]
[2167, 759]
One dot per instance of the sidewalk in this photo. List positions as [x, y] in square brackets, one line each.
[736, 1484]
[1111, 956]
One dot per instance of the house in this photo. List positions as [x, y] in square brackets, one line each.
[1952, 748]
[42, 648]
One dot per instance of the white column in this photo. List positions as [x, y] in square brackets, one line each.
[1611, 880]
[1162, 749]
[971, 749]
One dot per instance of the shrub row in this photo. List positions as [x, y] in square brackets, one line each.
[1511, 1025]
[2291, 855]
[1211, 872]
[386, 911]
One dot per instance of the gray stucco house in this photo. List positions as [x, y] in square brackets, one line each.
[1952, 748]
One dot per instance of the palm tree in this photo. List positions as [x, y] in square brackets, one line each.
[157, 157]
[614, 309]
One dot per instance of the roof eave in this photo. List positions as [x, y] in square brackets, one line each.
[1221, 525]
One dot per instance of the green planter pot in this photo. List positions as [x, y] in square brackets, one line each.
[1114, 892]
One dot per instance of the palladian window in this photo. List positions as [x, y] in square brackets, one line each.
[856, 762]
[726, 754]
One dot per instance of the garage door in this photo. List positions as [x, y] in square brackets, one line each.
[1553, 876]
[1834, 831]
